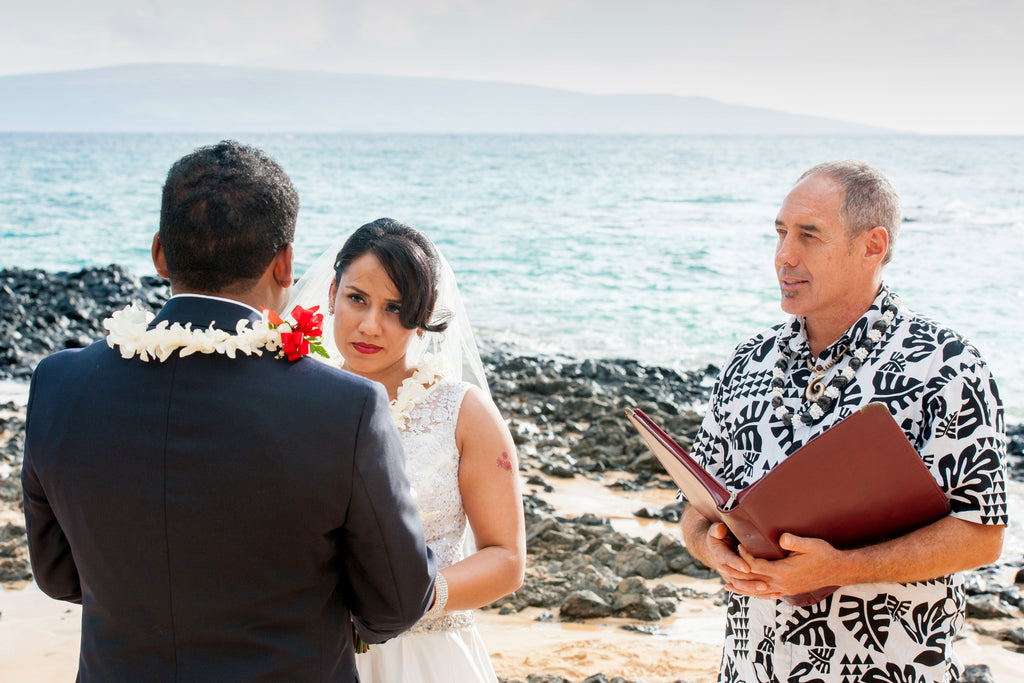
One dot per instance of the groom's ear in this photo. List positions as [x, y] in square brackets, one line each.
[159, 261]
[283, 263]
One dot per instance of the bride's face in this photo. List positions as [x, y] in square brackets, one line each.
[367, 329]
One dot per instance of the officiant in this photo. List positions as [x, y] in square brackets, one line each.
[850, 341]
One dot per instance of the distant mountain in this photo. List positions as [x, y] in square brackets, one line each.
[206, 98]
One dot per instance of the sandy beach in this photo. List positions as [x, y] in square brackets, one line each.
[39, 636]
[39, 643]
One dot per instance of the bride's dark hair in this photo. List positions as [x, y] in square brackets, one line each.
[410, 260]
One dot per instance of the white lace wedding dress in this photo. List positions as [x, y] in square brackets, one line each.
[447, 648]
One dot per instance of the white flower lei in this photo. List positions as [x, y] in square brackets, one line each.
[414, 388]
[128, 330]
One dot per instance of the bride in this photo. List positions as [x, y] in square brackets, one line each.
[399, 320]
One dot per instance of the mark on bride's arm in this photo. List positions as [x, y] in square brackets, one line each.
[505, 462]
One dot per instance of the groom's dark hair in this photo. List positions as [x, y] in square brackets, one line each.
[227, 210]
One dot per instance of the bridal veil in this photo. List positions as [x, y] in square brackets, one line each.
[454, 350]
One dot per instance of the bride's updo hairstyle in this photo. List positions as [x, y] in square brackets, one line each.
[411, 262]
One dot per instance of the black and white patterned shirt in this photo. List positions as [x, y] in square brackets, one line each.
[943, 396]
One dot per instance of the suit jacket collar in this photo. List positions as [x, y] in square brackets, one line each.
[203, 311]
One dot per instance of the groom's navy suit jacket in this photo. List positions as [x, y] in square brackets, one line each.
[220, 519]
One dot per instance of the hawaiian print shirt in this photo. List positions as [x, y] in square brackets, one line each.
[941, 392]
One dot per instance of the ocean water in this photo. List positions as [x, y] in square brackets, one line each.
[657, 248]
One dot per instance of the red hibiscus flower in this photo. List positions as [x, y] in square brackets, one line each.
[302, 336]
[308, 321]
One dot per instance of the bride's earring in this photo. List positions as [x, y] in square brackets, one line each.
[330, 300]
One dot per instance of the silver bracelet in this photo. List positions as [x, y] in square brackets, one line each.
[440, 596]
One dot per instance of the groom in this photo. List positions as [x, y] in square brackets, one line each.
[220, 518]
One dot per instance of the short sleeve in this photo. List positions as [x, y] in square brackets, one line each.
[965, 443]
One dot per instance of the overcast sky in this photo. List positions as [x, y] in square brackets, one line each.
[932, 66]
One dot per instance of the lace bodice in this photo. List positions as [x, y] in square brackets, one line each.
[432, 465]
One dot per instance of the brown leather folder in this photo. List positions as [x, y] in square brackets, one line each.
[858, 483]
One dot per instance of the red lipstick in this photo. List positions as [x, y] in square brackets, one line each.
[368, 349]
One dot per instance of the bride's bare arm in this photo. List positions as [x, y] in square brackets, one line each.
[492, 497]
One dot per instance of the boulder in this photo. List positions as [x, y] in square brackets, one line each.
[584, 604]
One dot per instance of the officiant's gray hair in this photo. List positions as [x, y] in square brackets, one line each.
[869, 198]
[410, 260]
[227, 210]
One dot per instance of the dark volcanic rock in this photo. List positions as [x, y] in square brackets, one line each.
[584, 605]
[12, 445]
[570, 414]
[990, 606]
[977, 673]
[595, 579]
[1015, 636]
[632, 598]
[670, 513]
[677, 558]
[1015, 450]
[43, 312]
[585, 555]
[639, 561]
[14, 561]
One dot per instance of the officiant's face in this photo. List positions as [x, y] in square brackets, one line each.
[822, 271]
[367, 328]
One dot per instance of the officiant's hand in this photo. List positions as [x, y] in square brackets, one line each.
[810, 564]
[715, 546]
[938, 549]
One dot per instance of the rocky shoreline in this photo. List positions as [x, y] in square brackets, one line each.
[566, 416]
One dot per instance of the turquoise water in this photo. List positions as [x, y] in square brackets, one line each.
[656, 248]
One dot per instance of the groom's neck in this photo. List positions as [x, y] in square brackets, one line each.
[274, 298]
[269, 290]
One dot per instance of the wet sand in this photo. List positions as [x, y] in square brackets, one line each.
[39, 643]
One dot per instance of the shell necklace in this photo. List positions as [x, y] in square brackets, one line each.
[819, 396]
[815, 386]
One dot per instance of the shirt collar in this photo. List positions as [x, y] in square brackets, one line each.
[795, 334]
[217, 298]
